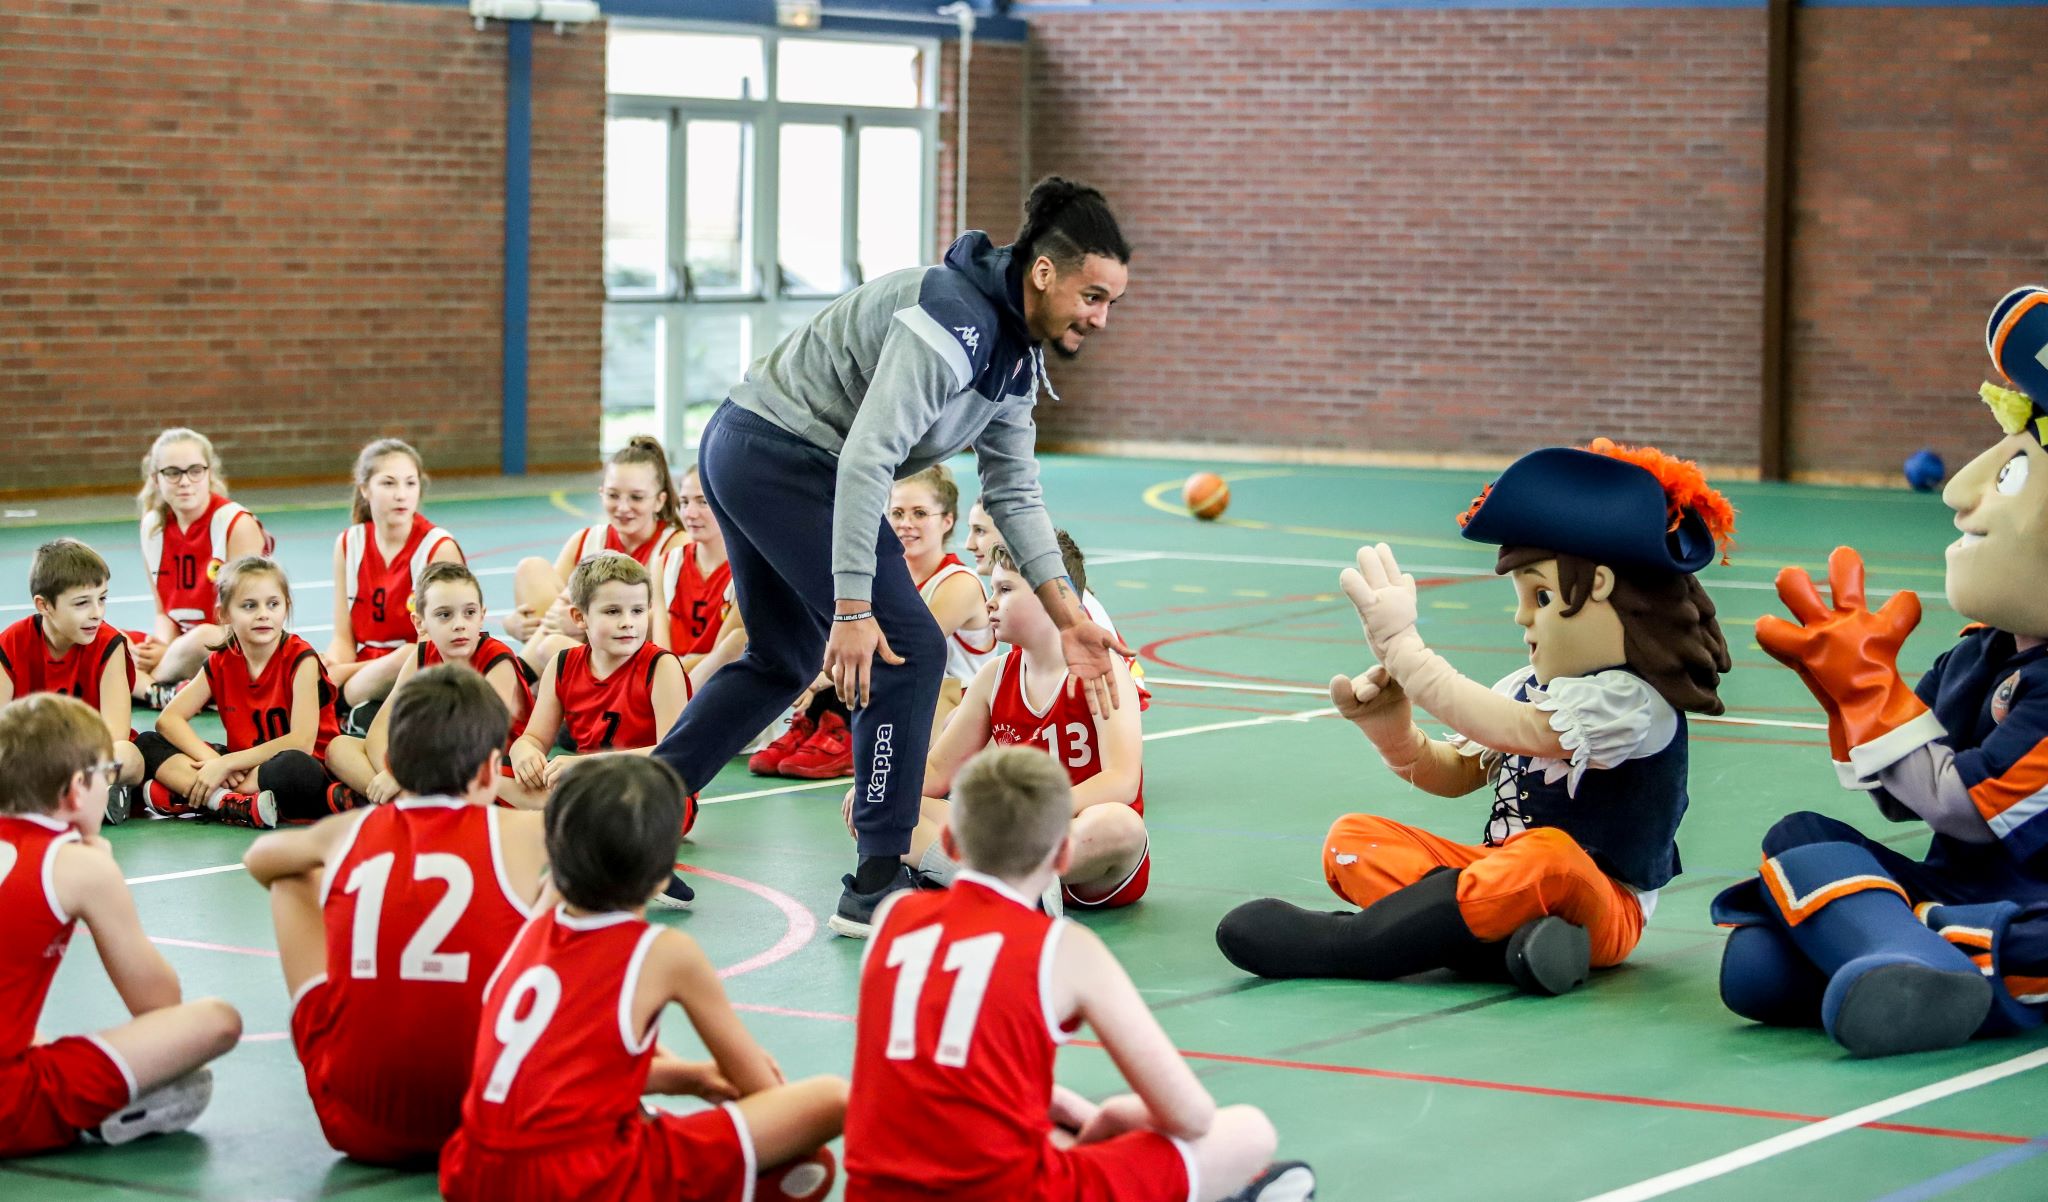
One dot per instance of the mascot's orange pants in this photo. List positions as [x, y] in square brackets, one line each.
[1535, 873]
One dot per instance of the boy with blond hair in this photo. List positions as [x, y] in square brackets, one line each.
[966, 995]
[147, 1075]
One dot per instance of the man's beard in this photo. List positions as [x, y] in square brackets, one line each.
[1059, 348]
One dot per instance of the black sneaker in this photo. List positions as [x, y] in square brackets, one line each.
[1283, 1181]
[676, 895]
[1549, 956]
[357, 722]
[158, 695]
[121, 801]
[855, 917]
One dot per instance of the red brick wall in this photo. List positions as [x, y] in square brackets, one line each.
[1919, 202]
[996, 111]
[1444, 233]
[281, 222]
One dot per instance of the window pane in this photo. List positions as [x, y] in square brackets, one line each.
[809, 208]
[891, 200]
[630, 383]
[876, 74]
[635, 204]
[716, 345]
[720, 172]
[717, 66]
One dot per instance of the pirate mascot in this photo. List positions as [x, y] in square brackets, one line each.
[1583, 750]
[1890, 954]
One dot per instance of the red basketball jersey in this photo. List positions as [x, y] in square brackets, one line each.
[378, 589]
[25, 657]
[953, 1055]
[617, 711]
[606, 538]
[418, 910]
[37, 930]
[487, 654]
[696, 602]
[183, 560]
[259, 710]
[556, 1055]
[1064, 726]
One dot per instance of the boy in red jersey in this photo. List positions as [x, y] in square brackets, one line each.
[403, 910]
[147, 1075]
[69, 647]
[966, 995]
[1024, 698]
[616, 692]
[450, 619]
[567, 1045]
[276, 708]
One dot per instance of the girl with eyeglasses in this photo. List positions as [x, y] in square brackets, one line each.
[189, 529]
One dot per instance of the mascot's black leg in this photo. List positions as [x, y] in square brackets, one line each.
[1410, 930]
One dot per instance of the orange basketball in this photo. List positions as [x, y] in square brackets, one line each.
[1206, 495]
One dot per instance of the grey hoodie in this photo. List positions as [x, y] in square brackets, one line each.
[906, 371]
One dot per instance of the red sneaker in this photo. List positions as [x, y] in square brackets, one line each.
[163, 802]
[768, 760]
[258, 810]
[826, 754]
[689, 813]
[341, 798]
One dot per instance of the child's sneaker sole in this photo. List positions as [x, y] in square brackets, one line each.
[168, 1108]
[676, 895]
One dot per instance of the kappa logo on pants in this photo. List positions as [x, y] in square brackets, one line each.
[878, 771]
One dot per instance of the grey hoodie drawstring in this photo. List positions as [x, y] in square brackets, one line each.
[1040, 378]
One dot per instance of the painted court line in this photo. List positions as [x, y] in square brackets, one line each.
[1962, 1175]
[798, 925]
[201, 945]
[189, 872]
[1777, 1145]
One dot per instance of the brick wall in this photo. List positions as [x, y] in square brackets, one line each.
[281, 222]
[1919, 202]
[1430, 233]
[996, 115]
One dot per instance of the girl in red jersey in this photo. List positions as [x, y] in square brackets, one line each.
[276, 705]
[377, 563]
[566, 1048]
[1025, 698]
[641, 520]
[449, 615]
[616, 692]
[189, 529]
[695, 581]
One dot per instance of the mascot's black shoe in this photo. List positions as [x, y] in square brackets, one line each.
[1549, 956]
[1410, 930]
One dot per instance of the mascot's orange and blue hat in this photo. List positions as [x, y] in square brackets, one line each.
[2017, 337]
[1626, 507]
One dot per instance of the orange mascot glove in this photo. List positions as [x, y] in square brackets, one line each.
[1848, 656]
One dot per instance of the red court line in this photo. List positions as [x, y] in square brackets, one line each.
[1541, 1091]
[797, 924]
[213, 947]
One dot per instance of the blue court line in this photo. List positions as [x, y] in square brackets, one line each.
[1963, 1175]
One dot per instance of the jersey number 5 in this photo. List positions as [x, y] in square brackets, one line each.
[973, 960]
[421, 960]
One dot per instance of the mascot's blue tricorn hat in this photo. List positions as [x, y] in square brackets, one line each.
[1623, 507]
[2017, 337]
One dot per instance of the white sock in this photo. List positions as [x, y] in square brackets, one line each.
[938, 867]
[214, 798]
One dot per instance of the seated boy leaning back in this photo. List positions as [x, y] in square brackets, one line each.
[403, 909]
[148, 1074]
[1025, 697]
[966, 994]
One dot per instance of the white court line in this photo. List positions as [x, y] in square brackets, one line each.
[1728, 1162]
[305, 587]
[179, 876]
[1414, 569]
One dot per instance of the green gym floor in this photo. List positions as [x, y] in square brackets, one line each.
[1638, 1086]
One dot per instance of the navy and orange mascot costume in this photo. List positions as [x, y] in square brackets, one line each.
[1886, 953]
[1583, 750]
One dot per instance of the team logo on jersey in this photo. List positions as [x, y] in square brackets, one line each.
[969, 337]
[2001, 701]
[213, 567]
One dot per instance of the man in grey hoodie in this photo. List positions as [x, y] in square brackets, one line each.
[902, 372]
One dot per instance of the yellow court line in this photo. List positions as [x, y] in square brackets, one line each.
[1155, 497]
[559, 498]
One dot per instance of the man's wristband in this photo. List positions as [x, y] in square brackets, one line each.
[862, 616]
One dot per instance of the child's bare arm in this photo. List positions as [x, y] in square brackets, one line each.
[1090, 983]
[280, 854]
[966, 733]
[530, 751]
[341, 649]
[670, 690]
[89, 885]
[1122, 751]
[175, 722]
[117, 708]
[377, 740]
[684, 975]
[731, 644]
